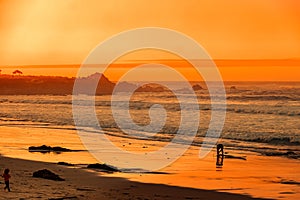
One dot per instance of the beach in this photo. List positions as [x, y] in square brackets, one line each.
[149, 100]
[188, 178]
[83, 184]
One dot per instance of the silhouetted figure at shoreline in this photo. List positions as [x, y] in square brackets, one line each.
[220, 149]
[220, 155]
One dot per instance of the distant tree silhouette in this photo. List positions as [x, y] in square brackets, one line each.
[0, 71]
[17, 72]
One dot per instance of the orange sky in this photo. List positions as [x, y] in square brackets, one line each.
[50, 32]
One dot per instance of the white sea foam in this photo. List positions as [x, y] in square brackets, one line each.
[260, 112]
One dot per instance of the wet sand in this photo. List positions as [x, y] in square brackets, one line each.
[188, 178]
[86, 184]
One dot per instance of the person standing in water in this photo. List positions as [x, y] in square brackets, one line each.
[220, 156]
[6, 177]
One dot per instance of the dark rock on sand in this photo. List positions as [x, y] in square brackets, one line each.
[235, 157]
[42, 148]
[65, 163]
[61, 149]
[47, 174]
[289, 182]
[47, 149]
[104, 167]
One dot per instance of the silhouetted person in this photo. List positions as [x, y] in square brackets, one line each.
[220, 155]
[220, 149]
[6, 177]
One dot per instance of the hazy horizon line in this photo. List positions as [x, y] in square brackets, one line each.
[218, 62]
[113, 81]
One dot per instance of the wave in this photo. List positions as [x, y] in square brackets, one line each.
[250, 108]
[276, 141]
[264, 98]
[266, 111]
[255, 117]
[269, 146]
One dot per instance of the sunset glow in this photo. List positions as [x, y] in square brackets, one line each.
[150, 99]
[64, 32]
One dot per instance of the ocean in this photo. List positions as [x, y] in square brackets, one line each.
[261, 117]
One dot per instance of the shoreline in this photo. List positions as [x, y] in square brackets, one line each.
[278, 147]
[86, 184]
[256, 177]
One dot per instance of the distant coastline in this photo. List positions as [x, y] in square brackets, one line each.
[57, 85]
[50, 85]
[60, 85]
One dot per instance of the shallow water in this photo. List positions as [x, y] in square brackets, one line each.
[267, 113]
[258, 176]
